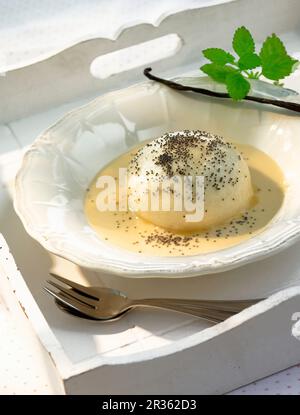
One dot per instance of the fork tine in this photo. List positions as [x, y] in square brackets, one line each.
[70, 302]
[73, 294]
[78, 287]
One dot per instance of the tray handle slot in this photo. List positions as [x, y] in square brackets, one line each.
[135, 56]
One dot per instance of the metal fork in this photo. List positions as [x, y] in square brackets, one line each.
[104, 304]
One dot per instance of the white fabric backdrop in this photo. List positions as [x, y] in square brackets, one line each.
[33, 30]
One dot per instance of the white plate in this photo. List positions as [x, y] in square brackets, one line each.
[57, 169]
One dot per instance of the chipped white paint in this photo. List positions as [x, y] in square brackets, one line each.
[25, 367]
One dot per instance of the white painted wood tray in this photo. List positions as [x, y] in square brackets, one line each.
[148, 351]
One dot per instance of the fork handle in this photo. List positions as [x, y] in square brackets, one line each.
[215, 316]
[231, 306]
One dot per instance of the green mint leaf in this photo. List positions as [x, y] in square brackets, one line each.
[249, 61]
[218, 56]
[243, 42]
[273, 61]
[276, 63]
[296, 65]
[217, 72]
[237, 86]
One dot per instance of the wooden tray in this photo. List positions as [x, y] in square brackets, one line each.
[148, 351]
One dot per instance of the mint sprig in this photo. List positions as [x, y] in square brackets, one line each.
[218, 56]
[218, 72]
[276, 63]
[237, 86]
[272, 62]
[243, 42]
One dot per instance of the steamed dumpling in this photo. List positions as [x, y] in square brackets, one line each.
[227, 181]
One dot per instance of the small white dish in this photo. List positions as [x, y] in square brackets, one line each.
[57, 169]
